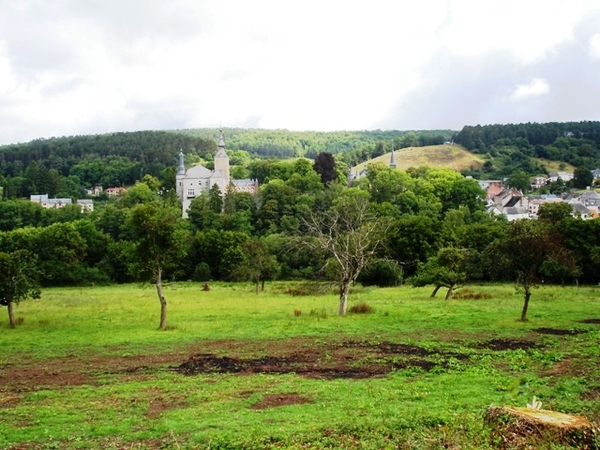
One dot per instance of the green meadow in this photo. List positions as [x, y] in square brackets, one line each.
[87, 368]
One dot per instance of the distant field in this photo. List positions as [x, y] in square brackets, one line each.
[452, 157]
[555, 166]
[88, 368]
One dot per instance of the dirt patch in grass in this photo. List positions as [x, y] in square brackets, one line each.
[272, 401]
[348, 359]
[507, 344]
[74, 370]
[307, 357]
[559, 331]
[592, 321]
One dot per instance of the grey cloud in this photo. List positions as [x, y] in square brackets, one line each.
[35, 37]
[459, 91]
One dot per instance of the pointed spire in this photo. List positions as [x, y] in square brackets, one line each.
[221, 153]
[393, 158]
[181, 168]
[350, 177]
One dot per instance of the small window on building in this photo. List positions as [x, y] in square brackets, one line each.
[190, 192]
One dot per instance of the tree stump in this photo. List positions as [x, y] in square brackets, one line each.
[527, 428]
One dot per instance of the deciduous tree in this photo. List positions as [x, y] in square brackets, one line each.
[258, 264]
[349, 234]
[325, 166]
[160, 242]
[446, 269]
[526, 247]
[18, 281]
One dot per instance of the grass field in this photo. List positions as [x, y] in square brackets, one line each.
[444, 156]
[88, 368]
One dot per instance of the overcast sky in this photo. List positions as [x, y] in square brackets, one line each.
[71, 67]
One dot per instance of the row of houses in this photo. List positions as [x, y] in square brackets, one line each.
[514, 205]
[111, 191]
[58, 203]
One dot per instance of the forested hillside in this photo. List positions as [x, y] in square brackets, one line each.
[512, 148]
[65, 166]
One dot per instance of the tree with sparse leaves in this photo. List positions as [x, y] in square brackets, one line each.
[349, 235]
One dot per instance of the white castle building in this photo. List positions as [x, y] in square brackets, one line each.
[198, 179]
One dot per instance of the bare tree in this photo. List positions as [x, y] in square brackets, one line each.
[349, 234]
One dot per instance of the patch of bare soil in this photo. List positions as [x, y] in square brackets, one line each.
[559, 331]
[28, 375]
[272, 401]
[349, 359]
[592, 321]
[303, 356]
[507, 344]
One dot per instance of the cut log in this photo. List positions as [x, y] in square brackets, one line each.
[520, 428]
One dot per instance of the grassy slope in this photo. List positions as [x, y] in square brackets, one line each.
[406, 409]
[452, 157]
[555, 166]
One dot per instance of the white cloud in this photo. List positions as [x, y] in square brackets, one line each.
[104, 65]
[594, 46]
[536, 88]
[529, 29]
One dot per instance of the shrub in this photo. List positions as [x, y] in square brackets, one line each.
[467, 294]
[382, 274]
[308, 288]
[360, 308]
[202, 272]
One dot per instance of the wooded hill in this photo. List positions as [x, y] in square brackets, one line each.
[65, 166]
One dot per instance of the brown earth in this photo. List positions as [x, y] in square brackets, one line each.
[302, 356]
[560, 332]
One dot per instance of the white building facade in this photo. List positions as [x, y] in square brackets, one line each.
[198, 179]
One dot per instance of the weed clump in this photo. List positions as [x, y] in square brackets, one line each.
[297, 312]
[318, 313]
[468, 294]
[361, 308]
[305, 289]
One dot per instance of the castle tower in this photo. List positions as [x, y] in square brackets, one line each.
[181, 168]
[222, 159]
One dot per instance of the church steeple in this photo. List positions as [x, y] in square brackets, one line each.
[221, 153]
[181, 168]
[393, 158]
[222, 159]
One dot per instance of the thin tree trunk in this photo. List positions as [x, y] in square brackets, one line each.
[262, 287]
[257, 281]
[449, 293]
[11, 315]
[162, 300]
[525, 305]
[344, 290]
[437, 288]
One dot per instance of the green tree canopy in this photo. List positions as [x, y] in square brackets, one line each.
[18, 281]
